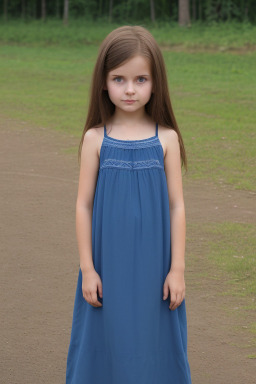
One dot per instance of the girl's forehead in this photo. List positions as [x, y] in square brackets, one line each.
[132, 65]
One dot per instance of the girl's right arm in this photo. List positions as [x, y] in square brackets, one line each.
[89, 167]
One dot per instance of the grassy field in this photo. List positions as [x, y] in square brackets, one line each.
[84, 32]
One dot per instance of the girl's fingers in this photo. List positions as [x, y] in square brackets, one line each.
[92, 299]
[95, 301]
[176, 300]
[172, 300]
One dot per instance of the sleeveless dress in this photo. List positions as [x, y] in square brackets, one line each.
[134, 338]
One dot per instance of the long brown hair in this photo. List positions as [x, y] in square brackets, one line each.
[120, 45]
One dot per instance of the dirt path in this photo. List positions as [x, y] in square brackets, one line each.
[39, 266]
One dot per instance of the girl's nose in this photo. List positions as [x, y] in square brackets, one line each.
[129, 89]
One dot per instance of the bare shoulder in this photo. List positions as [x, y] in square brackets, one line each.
[94, 137]
[168, 138]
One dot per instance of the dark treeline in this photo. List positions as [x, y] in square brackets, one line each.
[132, 10]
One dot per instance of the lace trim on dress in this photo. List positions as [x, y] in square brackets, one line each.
[115, 163]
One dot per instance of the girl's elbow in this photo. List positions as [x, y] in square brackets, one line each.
[82, 205]
[177, 205]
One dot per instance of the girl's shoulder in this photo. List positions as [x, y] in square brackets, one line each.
[95, 136]
[167, 135]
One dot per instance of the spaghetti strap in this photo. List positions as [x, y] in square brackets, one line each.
[156, 129]
[105, 133]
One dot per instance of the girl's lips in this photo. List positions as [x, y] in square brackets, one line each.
[129, 101]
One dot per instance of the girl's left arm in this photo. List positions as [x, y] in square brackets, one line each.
[175, 279]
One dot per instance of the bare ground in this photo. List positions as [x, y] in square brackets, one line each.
[40, 262]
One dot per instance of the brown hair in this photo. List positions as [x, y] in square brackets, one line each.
[120, 45]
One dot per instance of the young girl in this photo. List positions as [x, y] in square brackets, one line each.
[130, 222]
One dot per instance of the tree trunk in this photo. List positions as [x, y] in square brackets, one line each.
[65, 15]
[152, 11]
[5, 9]
[43, 9]
[110, 10]
[184, 16]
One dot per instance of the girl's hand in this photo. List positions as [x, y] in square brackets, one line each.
[91, 282]
[176, 284]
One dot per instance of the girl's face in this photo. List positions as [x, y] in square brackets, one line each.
[130, 85]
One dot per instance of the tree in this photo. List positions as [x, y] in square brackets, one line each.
[133, 10]
[184, 16]
[65, 15]
[152, 11]
[43, 9]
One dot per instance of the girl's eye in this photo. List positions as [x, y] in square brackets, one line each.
[117, 79]
[140, 79]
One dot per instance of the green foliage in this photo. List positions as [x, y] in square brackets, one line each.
[218, 10]
[138, 10]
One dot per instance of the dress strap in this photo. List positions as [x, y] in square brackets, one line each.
[105, 132]
[156, 129]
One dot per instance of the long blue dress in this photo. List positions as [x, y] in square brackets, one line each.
[134, 338]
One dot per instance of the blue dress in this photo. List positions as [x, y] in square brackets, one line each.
[134, 338]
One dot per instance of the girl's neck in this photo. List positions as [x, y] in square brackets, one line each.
[129, 119]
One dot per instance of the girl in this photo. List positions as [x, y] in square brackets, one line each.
[130, 222]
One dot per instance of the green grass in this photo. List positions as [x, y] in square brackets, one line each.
[83, 32]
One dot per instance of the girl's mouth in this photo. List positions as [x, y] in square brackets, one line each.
[129, 101]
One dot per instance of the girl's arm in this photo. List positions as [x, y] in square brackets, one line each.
[89, 166]
[175, 280]
[86, 189]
